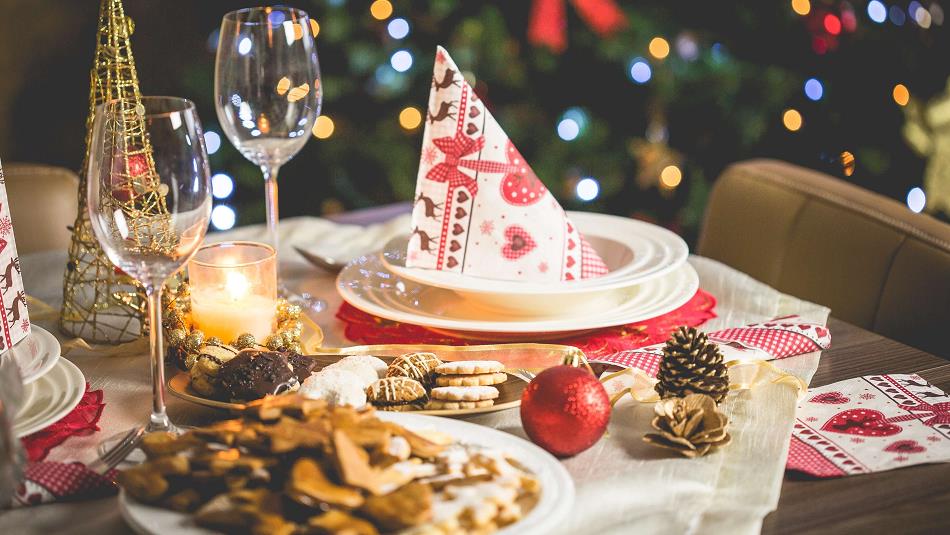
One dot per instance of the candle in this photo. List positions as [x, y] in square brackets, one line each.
[234, 290]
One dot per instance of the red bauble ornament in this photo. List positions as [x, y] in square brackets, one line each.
[565, 410]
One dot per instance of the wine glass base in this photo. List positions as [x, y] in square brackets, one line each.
[137, 456]
[305, 300]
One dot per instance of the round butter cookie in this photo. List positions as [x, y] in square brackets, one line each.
[464, 393]
[469, 367]
[481, 379]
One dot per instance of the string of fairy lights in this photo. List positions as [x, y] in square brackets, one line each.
[826, 24]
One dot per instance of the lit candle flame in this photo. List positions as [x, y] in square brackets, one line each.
[237, 285]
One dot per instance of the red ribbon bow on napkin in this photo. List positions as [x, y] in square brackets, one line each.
[548, 24]
[940, 413]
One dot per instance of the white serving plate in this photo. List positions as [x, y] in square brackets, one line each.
[557, 494]
[36, 354]
[49, 398]
[634, 251]
[368, 285]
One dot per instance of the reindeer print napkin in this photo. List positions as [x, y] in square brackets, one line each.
[480, 210]
[870, 424]
[14, 321]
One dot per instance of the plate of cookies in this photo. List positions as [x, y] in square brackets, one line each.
[228, 378]
[291, 465]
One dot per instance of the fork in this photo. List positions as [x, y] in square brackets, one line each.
[111, 458]
[524, 375]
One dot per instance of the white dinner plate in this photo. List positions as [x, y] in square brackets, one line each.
[36, 354]
[634, 251]
[49, 398]
[368, 285]
[557, 488]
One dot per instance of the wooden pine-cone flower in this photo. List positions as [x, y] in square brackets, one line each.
[691, 426]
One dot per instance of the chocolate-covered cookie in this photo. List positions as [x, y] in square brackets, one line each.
[254, 374]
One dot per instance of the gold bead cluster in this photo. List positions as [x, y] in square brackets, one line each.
[184, 341]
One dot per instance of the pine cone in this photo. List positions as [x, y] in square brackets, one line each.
[691, 426]
[692, 365]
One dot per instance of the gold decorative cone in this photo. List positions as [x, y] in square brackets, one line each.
[691, 426]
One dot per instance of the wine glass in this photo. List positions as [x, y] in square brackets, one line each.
[267, 89]
[149, 199]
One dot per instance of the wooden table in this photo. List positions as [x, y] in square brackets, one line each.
[908, 500]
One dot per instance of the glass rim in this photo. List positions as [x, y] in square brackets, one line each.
[271, 254]
[234, 16]
[186, 104]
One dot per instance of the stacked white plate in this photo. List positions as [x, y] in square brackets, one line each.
[53, 386]
[648, 277]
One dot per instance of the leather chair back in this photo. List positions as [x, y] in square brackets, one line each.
[43, 203]
[875, 263]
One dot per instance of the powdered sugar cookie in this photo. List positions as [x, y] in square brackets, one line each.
[481, 379]
[440, 404]
[335, 386]
[464, 393]
[469, 367]
[366, 368]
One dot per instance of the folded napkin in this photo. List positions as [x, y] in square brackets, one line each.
[48, 482]
[870, 424]
[480, 209]
[775, 339]
[81, 421]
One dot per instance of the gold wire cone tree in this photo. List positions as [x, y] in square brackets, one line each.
[100, 303]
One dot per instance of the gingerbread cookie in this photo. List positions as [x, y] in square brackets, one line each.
[418, 366]
[396, 393]
[481, 379]
[469, 367]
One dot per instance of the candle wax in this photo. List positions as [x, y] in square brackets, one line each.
[217, 314]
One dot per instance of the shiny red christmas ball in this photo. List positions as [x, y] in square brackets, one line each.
[565, 410]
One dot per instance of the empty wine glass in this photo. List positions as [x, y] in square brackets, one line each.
[267, 89]
[149, 202]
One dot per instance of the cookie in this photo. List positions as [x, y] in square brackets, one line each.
[336, 386]
[469, 367]
[441, 404]
[481, 379]
[362, 366]
[418, 366]
[395, 390]
[464, 393]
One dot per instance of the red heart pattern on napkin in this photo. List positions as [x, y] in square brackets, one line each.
[865, 422]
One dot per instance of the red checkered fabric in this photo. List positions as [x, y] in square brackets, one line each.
[805, 458]
[591, 263]
[48, 482]
[780, 338]
[646, 359]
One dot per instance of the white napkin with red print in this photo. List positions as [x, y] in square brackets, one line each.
[870, 424]
[480, 210]
[774, 339]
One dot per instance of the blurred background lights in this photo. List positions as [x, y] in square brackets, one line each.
[398, 28]
[801, 7]
[223, 217]
[323, 127]
[813, 89]
[381, 9]
[640, 71]
[792, 119]
[410, 118]
[896, 15]
[901, 94]
[916, 200]
[922, 16]
[221, 186]
[213, 40]
[212, 141]
[671, 176]
[587, 189]
[936, 14]
[401, 60]
[686, 46]
[568, 129]
[244, 46]
[832, 24]
[276, 17]
[659, 48]
[877, 11]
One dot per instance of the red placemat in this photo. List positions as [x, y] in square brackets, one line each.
[81, 421]
[368, 329]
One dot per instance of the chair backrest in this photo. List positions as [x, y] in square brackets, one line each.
[875, 263]
[42, 203]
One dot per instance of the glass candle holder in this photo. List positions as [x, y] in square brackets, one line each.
[234, 290]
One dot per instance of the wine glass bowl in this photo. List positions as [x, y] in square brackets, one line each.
[149, 199]
[267, 89]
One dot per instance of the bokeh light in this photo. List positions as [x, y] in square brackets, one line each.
[832, 24]
[901, 94]
[398, 28]
[401, 60]
[801, 7]
[640, 71]
[223, 217]
[587, 189]
[936, 14]
[847, 163]
[792, 120]
[922, 16]
[916, 200]
[897, 16]
[221, 186]
[671, 176]
[314, 27]
[686, 46]
[323, 127]
[212, 141]
[877, 11]
[410, 118]
[659, 47]
[568, 129]
[813, 89]
[244, 46]
[381, 9]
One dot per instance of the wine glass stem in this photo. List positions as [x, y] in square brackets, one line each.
[158, 421]
[270, 197]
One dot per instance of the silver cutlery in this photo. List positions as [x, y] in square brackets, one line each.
[330, 264]
[524, 375]
[111, 458]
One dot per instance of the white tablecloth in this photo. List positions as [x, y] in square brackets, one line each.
[622, 485]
